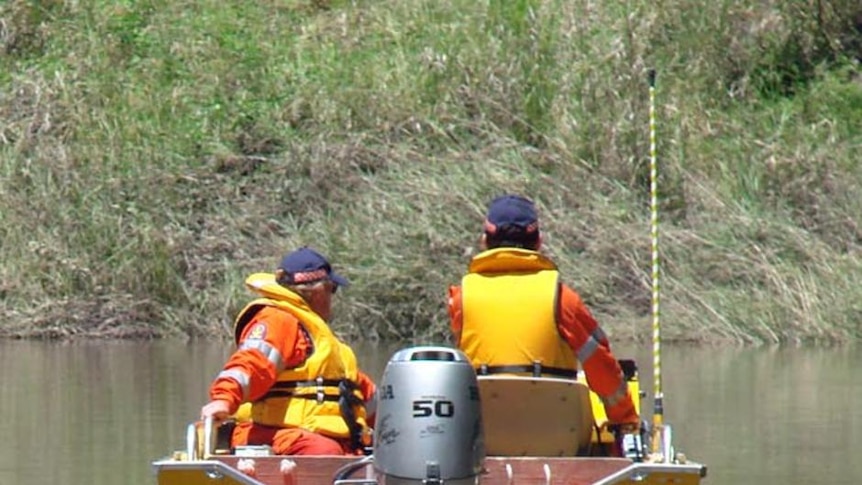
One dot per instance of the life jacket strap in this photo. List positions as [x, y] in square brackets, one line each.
[536, 370]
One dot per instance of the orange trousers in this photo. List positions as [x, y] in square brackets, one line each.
[289, 441]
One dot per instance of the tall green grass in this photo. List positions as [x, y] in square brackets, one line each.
[152, 153]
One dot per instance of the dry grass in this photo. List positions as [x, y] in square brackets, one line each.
[152, 153]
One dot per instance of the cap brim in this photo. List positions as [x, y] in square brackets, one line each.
[338, 279]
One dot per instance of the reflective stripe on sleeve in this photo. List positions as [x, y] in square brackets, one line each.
[268, 351]
[589, 347]
[240, 377]
[617, 396]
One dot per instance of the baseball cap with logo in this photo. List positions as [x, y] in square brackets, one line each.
[306, 265]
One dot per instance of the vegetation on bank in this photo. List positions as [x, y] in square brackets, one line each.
[154, 152]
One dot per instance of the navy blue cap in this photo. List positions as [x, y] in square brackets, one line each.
[306, 265]
[513, 211]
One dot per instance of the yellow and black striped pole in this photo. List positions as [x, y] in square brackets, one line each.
[658, 410]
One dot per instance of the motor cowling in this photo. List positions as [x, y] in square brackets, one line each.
[429, 423]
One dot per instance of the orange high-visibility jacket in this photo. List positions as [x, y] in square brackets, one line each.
[511, 310]
[282, 349]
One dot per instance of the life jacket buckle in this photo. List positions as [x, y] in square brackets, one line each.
[320, 394]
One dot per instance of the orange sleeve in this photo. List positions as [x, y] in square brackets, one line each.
[604, 375]
[369, 391]
[271, 341]
[366, 385]
[456, 312]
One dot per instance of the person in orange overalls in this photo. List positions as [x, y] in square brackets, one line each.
[308, 395]
[511, 312]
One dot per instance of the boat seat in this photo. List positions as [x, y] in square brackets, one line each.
[535, 416]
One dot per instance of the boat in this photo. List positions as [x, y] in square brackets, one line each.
[439, 421]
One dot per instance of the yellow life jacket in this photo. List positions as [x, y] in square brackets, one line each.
[509, 299]
[321, 395]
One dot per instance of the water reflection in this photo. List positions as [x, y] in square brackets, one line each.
[96, 412]
[99, 413]
[771, 415]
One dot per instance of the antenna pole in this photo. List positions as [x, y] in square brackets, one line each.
[658, 409]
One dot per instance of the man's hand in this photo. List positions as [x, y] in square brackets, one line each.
[218, 410]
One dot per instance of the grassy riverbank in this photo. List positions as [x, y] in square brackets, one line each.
[155, 152]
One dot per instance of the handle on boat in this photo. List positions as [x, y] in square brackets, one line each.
[200, 449]
[208, 448]
[208, 437]
[191, 442]
[667, 445]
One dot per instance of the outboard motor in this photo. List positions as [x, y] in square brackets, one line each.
[429, 422]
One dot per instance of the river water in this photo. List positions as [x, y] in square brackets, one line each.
[100, 412]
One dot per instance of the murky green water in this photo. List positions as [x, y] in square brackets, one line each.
[100, 413]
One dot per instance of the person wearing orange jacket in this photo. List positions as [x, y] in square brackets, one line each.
[307, 394]
[512, 313]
